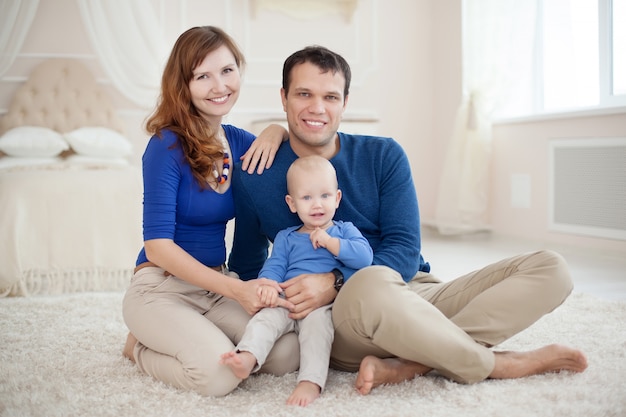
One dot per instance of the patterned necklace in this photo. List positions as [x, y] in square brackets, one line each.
[221, 179]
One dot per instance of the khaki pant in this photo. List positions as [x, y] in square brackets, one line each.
[183, 330]
[315, 333]
[447, 326]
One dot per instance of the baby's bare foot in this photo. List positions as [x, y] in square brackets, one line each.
[304, 394]
[241, 363]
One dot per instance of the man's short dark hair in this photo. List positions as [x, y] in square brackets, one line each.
[321, 57]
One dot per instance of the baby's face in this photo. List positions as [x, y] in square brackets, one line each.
[315, 198]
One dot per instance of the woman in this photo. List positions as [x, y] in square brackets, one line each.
[182, 308]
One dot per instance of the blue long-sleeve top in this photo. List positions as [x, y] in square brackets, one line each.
[378, 197]
[176, 207]
[293, 253]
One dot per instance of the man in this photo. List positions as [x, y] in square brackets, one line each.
[387, 330]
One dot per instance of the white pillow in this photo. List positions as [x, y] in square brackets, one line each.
[32, 142]
[99, 141]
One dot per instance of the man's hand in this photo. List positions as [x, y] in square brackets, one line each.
[308, 292]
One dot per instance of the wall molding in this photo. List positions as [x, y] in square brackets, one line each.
[361, 42]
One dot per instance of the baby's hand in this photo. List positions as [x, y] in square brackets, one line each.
[268, 296]
[319, 238]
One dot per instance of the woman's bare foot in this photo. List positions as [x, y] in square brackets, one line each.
[375, 371]
[551, 358]
[241, 363]
[129, 347]
[304, 394]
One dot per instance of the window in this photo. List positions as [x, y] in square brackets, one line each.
[568, 30]
[546, 56]
[583, 54]
[582, 46]
[618, 42]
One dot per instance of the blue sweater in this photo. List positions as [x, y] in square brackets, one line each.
[293, 253]
[378, 198]
[176, 207]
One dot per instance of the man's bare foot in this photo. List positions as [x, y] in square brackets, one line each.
[241, 363]
[129, 347]
[304, 394]
[375, 371]
[551, 358]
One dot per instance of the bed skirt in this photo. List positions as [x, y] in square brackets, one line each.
[68, 281]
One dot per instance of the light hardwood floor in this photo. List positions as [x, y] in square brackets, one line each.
[602, 274]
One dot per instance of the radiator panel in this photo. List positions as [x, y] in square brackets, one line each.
[588, 187]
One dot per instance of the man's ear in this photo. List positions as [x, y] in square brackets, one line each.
[290, 203]
[283, 98]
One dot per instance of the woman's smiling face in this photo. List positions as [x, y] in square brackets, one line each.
[215, 84]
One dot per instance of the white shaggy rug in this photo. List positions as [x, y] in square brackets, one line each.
[61, 356]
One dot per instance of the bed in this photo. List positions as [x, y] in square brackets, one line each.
[70, 201]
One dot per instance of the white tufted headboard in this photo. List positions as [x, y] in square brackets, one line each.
[61, 94]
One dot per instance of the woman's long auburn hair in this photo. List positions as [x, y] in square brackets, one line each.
[176, 112]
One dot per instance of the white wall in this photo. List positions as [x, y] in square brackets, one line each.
[522, 148]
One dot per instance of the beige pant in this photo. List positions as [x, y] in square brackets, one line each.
[447, 326]
[183, 330]
[315, 333]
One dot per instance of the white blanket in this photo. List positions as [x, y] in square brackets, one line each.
[67, 227]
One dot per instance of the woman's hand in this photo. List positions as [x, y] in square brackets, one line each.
[261, 153]
[247, 294]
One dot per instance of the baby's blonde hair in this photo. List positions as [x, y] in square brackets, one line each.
[310, 165]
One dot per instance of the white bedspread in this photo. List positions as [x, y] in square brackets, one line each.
[68, 228]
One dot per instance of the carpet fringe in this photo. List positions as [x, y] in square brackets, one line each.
[55, 282]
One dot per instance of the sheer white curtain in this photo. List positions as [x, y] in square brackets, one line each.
[498, 38]
[16, 17]
[128, 39]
